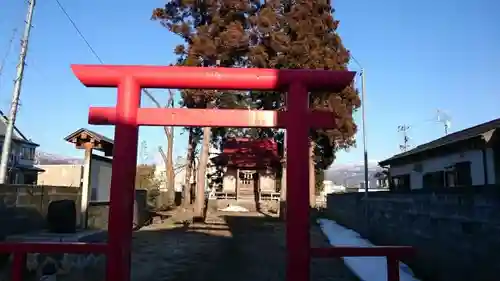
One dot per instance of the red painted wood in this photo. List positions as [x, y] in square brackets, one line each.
[183, 77]
[212, 118]
[128, 116]
[392, 269]
[18, 264]
[297, 178]
[123, 180]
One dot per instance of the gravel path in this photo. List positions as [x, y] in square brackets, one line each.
[227, 247]
[257, 252]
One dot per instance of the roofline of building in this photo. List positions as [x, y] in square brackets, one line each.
[418, 150]
[24, 138]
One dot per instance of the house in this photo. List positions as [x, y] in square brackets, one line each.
[249, 169]
[21, 165]
[465, 158]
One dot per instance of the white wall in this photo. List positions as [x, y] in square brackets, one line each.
[267, 182]
[60, 175]
[439, 163]
[229, 180]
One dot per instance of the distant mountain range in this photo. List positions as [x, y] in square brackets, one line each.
[345, 174]
[45, 158]
[351, 175]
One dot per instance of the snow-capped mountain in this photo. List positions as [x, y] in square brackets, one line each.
[351, 174]
[45, 158]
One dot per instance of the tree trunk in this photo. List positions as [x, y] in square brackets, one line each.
[170, 158]
[186, 192]
[170, 168]
[162, 200]
[282, 212]
[202, 169]
[166, 200]
[312, 176]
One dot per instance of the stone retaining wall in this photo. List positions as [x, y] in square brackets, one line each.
[455, 233]
[24, 207]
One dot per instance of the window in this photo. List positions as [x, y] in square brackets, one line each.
[463, 174]
[460, 175]
[401, 182]
[451, 179]
[28, 153]
[434, 180]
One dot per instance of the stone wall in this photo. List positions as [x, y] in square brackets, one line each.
[456, 233]
[98, 212]
[23, 207]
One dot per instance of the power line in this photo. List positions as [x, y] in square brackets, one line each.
[9, 47]
[92, 50]
[78, 31]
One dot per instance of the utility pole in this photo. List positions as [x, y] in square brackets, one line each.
[15, 95]
[404, 129]
[365, 149]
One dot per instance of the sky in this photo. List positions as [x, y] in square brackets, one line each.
[418, 57]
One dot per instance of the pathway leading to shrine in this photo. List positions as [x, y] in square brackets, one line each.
[228, 247]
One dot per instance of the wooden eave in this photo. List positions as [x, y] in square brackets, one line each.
[84, 138]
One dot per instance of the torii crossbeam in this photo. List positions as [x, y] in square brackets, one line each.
[127, 116]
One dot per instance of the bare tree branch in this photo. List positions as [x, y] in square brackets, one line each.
[162, 153]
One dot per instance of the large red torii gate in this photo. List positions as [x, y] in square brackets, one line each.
[128, 116]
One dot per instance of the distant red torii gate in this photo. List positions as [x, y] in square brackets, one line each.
[128, 116]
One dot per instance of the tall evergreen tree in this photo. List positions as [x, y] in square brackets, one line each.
[271, 34]
[215, 35]
[303, 34]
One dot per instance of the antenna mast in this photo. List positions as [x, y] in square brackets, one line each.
[404, 129]
[445, 119]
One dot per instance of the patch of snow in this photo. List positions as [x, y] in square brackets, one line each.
[366, 268]
[234, 208]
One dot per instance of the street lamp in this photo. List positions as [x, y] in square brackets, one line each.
[363, 128]
[363, 120]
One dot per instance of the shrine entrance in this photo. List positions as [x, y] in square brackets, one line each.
[246, 187]
[127, 116]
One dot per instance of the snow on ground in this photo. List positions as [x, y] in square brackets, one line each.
[366, 268]
[234, 208]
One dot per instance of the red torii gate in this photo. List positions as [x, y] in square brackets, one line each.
[128, 116]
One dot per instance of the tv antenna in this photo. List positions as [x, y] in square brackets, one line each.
[406, 139]
[143, 152]
[445, 119]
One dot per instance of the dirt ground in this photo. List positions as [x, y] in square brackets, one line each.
[227, 247]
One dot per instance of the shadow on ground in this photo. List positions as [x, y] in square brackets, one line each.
[226, 247]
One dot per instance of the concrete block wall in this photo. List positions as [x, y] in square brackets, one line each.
[23, 207]
[98, 212]
[456, 234]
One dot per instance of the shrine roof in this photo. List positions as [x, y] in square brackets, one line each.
[98, 141]
[246, 152]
